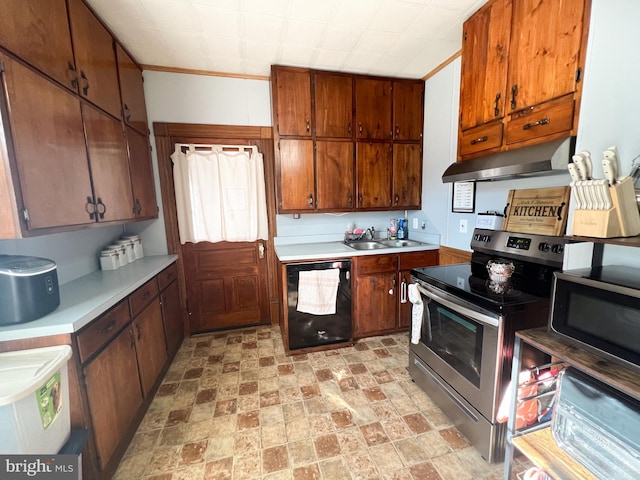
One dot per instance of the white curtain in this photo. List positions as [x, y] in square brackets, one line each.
[220, 195]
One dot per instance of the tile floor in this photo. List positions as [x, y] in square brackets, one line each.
[233, 406]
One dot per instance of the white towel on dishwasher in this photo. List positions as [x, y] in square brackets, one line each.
[416, 312]
[318, 291]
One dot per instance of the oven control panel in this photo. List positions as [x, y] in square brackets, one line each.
[544, 248]
[519, 242]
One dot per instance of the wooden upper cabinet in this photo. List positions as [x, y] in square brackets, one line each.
[335, 167]
[485, 54]
[333, 94]
[546, 40]
[373, 108]
[48, 146]
[292, 93]
[374, 167]
[141, 171]
[95, 59]
[295, 176]
[407, 175]
[109, 166]
[408, 109]
[38, 32]
[134, 108]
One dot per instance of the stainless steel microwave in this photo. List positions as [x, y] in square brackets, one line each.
[599, 309]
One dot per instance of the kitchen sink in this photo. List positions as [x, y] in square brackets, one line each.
[373, 245]
[400, 243]
[366, 245]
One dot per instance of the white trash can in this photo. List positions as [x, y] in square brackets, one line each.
[34, 401]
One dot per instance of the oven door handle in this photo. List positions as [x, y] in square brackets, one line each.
[450, 302]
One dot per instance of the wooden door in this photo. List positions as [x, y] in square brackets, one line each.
[141, 171]
[374, 170]
[109, 166]
[50, 153]
[407, 175]
[408, 109]
[333, 94]
[373, 108]
[226, 284]
[134, 109]
[546, 37]
[95, 59]
[375, 308]
[485, 54]
[295, 175]
[292, 107]
[335, 165]
[172, 317]
[113, 391]
[38, 32]
[151, 347]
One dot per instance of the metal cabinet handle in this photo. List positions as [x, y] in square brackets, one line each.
[139, 328]
[496, 109]
[127, 113]
[108, 327]
[350, 199]
[514, 92]
[479, 140]
[403, 291]
[349, 127]
[360, 127]
[308, 125]
[90, 208]
[397, 130]
[310, 200]
[85, 83]
[101, 208]
[360, 199]
[396, 199]
[543, 121]
[74, 75]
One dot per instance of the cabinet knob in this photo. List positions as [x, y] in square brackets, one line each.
[397, 130]
[101, 208]
[308, 125]
[310, 200]
[360, 127]
[90, 208]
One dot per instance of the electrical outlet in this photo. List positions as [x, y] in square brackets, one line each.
[415, 223]
[462, 228]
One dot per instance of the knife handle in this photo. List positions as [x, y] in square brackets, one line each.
[588, 166]
[609, 170]
[573, 171]
[579, 160]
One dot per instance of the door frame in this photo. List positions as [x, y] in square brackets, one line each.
[166, 136]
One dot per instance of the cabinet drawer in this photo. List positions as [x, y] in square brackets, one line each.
[376, 263]
[481, 138]
[142, 296]
[167, 276]
[102, 330]
[551, 117]
[407, 261]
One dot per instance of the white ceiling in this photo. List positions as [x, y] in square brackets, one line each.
[402, 38]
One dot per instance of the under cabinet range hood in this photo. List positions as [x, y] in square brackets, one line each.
[542, 159]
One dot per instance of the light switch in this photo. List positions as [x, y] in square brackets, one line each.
[415, 223]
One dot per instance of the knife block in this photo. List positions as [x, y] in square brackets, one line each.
[621, 220]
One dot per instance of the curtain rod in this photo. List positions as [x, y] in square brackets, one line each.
[216, 147]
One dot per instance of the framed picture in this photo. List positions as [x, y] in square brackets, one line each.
[464, 197]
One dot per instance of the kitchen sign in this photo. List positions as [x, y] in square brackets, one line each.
[542, 211]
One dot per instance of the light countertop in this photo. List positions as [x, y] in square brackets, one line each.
[86, 298]
[325, 250]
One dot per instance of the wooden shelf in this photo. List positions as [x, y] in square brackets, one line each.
[541, 449]
[622, 241]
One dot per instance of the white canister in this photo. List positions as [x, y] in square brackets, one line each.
[109, 259]
[128, 244]
[122, 253]
[137, 245]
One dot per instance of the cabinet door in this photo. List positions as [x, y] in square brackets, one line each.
[172, 317]
[374, 170]
[408, 109]
[134, 108]
[375, 303]
[545, 50]
[113, 391]
[292, 91]
[150, 345]
[333, 95]
[95, 59]
[295, 175]
[373, 108]
[485, 53]
[407, 175]
[38, 32]
[48, 141]
[141, 171]
[334, 163]
[109, 166]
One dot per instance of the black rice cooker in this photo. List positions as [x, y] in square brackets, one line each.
[28, 288]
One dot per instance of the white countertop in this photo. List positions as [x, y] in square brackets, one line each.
[85, 298]
[325, 250]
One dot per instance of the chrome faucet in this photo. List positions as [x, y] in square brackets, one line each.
[372, 233]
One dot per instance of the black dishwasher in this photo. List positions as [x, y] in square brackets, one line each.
[309, 330]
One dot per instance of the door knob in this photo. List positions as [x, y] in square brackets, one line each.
[261, 250]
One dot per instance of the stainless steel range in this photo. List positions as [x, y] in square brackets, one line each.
[463, 357]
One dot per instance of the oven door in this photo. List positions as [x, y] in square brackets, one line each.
[460, 342]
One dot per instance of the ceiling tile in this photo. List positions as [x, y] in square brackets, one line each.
[330, 60]
[395, 16]
[298, 55]
[338, 37]
[262, 27]
[172, 15]
[218, 21]
[312, 11]
[305, 34]
[375, 42]
[356, 13]
[222, 46]
[362, 62]
[269, 7]
[258, 51]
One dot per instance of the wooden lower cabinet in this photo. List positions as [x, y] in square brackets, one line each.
[151, 346]
[114, 393]
[381, 302]
[172, 317]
